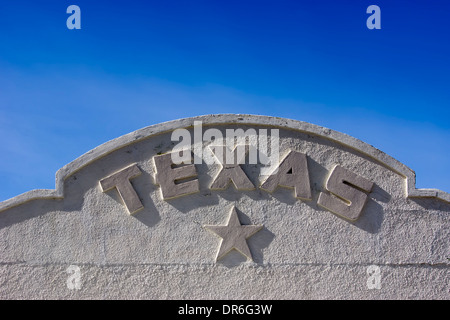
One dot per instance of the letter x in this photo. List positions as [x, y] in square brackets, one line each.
[231, 172]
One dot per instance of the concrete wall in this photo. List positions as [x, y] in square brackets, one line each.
[80, 242]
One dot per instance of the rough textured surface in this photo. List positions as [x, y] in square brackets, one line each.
[163, 251]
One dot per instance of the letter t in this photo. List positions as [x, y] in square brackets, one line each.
[121, 181]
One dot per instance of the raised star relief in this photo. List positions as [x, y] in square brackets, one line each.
[234, 236]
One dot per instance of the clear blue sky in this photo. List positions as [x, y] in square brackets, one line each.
[137, 63]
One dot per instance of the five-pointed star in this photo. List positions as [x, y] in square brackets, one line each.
[234, 235]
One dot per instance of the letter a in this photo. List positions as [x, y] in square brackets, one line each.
[74, 21]
[292, 173]
[374, 21]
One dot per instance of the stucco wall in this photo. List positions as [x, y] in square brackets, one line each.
[303, 251]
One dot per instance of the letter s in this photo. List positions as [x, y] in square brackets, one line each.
[349, 201]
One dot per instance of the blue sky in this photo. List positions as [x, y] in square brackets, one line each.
[137, 63]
